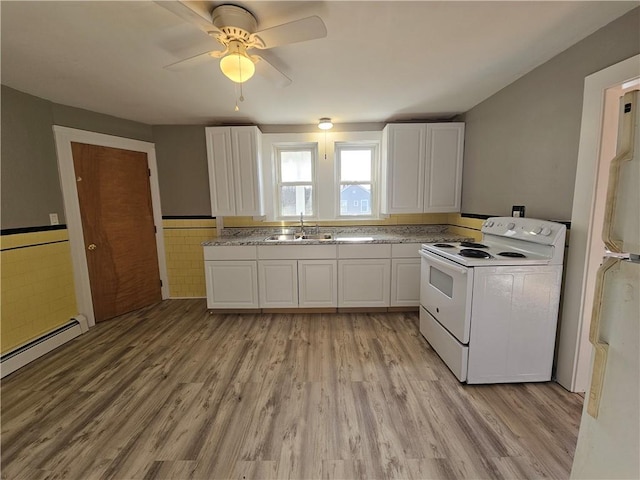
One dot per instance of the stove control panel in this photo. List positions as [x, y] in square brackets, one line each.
[529, 229]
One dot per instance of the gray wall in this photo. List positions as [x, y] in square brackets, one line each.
[29, 176]
[183, 173]
[521, 144]
[30, 186]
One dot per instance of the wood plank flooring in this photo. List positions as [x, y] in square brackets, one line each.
[174, 392]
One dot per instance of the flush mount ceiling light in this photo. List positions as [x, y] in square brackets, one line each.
[236, 65]
[325, 123]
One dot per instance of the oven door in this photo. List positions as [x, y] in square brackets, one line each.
[445, 292]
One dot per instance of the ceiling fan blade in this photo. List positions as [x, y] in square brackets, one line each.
[301, 30]
[194, 61]
[194, 12]
[271, 73]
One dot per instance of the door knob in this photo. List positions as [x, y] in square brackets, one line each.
[92, 246]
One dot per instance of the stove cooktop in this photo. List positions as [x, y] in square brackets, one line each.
[507, 241]
[478, 254]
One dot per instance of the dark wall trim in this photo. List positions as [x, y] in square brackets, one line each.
[484, 217]
[44, 228]
[475, 215]
[33, 245]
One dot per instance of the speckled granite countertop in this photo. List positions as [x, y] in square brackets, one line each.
[341, 235]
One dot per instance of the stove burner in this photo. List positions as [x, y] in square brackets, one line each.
[472, 245]
[512, 254]
[472, 253]
[443, 245]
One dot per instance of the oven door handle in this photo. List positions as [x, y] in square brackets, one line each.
[442, 263]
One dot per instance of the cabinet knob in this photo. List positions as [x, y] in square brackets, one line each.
[92, 246]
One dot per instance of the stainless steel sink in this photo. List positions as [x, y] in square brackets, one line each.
[296, 237]
[283, 237]
[318, 236]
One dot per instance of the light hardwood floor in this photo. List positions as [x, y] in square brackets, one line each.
[174, 392]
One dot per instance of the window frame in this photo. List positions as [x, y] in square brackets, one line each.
[311, 147]
[354, 145]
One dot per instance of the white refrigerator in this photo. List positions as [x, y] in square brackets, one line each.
[609, 438]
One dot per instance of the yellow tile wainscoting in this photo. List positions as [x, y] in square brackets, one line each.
[185, 261]
[37, 292]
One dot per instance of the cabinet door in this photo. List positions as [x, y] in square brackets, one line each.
[364, 283]
[443, 181]
[232, 284]
[405, 282]
[403, 164]
[317, 283]
[219, 157]
[278, 283]
[246, 170]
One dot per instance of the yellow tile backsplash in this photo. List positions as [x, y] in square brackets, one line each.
[183, 249]
[396, 219]
[469, 227]
[37, 292]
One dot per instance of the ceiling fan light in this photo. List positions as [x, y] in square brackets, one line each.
[237, 67]
[325, 124]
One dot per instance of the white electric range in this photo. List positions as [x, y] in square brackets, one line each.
[490, 309]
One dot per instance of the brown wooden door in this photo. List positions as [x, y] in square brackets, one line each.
[119, 232]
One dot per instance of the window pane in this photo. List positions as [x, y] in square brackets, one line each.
[355, 165]
[296, 199]
[355, 200]
[295, 166]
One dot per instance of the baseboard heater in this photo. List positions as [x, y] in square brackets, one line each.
[20, 356]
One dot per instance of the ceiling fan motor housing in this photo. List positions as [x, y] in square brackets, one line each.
[235, 22]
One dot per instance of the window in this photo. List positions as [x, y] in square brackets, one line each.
[321, 175]
[355, 166]
[296, 180]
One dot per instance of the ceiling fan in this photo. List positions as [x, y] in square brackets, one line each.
[235, 28]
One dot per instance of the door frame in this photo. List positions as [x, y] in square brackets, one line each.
[574, 350]
[63, 137]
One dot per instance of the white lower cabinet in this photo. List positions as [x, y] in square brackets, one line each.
[312, 276]
[297, 276]
[364, 275]
[405, 275]
[364, 282]
[317, 283]
[232, 284]
[231, 274]
[278, 283]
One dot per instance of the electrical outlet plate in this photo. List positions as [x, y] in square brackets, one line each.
[517, 211]
[53, 218]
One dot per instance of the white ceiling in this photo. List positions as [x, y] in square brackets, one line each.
[380, 61]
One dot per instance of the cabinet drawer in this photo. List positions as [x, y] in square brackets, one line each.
[406, 250]
[296, 252]
[378, 250]
[226, 252]
[452, 352]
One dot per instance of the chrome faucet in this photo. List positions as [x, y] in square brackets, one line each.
[301, 223]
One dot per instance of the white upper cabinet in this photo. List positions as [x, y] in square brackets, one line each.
[443, 181]
[235, 185]
[422, 167]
